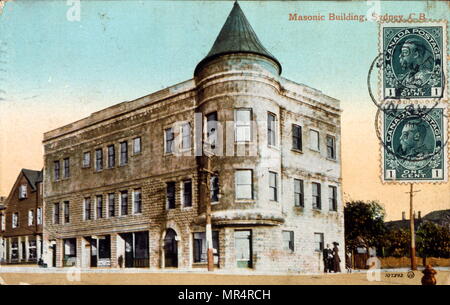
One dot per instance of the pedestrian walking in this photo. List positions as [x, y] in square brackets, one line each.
[336, 258]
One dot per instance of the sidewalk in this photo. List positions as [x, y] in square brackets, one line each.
[71, 276]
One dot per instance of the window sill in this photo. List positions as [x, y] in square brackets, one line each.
[245, 201]
[187, 208]
[332, 160]
[273, 147]
[298, 151]
[317, 210]
[314, 150]
[214, 202]
[136, 154]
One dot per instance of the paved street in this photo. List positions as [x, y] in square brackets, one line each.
[35, 276]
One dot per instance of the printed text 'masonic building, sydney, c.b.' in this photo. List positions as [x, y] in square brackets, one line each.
[122, 186]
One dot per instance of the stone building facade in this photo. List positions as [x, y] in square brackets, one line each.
[122, 186]
[21, 220]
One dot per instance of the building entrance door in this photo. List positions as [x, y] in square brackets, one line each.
[53, 252]
[129, 255]
[93, 252]
[170, 249]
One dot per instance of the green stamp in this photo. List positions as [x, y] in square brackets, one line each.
[414, 60]
[414, 143]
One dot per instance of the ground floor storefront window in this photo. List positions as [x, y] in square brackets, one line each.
[32, 249]
[14, 249]
[243, 245]
[69, 252]
[200, 250]
[136, 250]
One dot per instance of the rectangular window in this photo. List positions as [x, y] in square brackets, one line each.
[214, 187]
[170, 138]
[186, 136]
[66, 171]
[30, 217]
[15, 220]
[123, 153]
[23, 191]
[124, 203]
[316, 198]
[56, 170]
[170, 195]
[99, 199]
[56, 213]
[273, 185]
[332, 197]
[244, 184]
[271, 129]
[111, 156]
[296, 137]
[200, 250]
[32, 249]
[243, 246]
[98, 159]
[187, 193]
[243, 125]
[298, 193]
[288, 240]
[137, 201]
[136, 145]
[331, 147]
[66, 212]
[111, 205]
[211, 130]
[314, 141]
[318, 242]
[86, 159]
[87, 209]
[39, 216]
[2, 222]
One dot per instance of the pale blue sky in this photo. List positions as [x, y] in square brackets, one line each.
[53, 71]
[121, 50]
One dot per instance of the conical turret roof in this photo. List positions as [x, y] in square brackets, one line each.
[237, 36]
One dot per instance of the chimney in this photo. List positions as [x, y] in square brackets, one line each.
[420, 215]
[414, 215]
[403, 216]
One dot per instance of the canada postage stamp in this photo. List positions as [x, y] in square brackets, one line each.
[414, 60]
[415, 143]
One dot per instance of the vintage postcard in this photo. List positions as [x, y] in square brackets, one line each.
[224, 143]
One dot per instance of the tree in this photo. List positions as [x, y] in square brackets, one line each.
[364, 222]
[433, 240]
[397, 243]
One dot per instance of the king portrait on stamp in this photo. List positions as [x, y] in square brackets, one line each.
[414, 143]
[414, 60]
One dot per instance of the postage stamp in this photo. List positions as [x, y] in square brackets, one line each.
[415, 143]
[414, 60]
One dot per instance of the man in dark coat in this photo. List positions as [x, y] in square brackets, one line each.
[336, 259]
[327, 259]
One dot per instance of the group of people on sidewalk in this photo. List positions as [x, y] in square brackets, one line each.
[331, 259]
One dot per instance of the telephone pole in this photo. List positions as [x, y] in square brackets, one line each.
[207, 197]
[411, 227]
